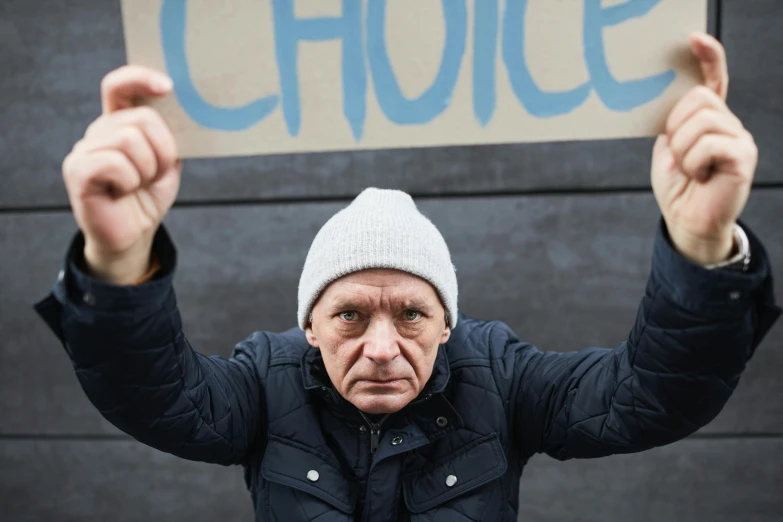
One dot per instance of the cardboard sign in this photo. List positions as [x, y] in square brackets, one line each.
[273, 76]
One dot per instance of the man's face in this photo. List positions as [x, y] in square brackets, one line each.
[378, 332]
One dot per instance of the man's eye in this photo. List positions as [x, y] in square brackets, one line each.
[349, 316]
[412, 315]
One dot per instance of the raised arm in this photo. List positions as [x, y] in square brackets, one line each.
[699, 321]
[137, 368]
[695, 331]
[125, 339]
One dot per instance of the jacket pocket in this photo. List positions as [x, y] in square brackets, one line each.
[289, 464]
[458, 476]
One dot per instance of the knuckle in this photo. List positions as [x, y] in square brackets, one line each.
[752, 145]
[151, 121]
[114, 162]
[129, 137]
[709, 117]
[140, 116]
[113, 80]
[73, 165]
[93, 126]
[159, 134]
[703, 93]
[148, 114]
[67, 166]
[677, 145]
[709, 98]
[108, 82]
[77, 146]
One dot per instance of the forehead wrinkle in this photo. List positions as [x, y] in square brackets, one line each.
[405, 298]
[351, 299]
[355, 295]
[384, 289]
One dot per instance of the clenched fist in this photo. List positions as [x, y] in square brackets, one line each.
[123, 176]
[703, 167]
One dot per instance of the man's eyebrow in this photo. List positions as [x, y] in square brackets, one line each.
[415, 303]
[352, 303]
[347, 303]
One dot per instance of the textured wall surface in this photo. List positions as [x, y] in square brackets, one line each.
[554, 239]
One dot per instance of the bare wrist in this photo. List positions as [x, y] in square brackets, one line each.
[118, 269]
[704, 251]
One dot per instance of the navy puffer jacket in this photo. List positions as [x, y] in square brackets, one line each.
[454, 454]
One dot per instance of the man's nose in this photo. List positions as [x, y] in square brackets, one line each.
[381, 345]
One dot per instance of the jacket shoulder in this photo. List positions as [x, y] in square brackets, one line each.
[477, 339]
[268, 349]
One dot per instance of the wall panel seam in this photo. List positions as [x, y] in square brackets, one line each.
[47, 209]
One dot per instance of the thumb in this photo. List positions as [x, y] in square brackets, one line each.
[712, 59]
[121, 88]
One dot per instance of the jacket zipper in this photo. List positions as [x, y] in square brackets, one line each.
[375, 428]
[375, 431]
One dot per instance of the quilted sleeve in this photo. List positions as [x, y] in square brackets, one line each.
[695, 330]
[137, 368]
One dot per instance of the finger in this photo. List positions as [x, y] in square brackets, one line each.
[712, 58]
[662, 147]
[130, 141]
[100, 172]
[152, 125]
[662, 159]
[696, 99]
[660, 144]
[705, 121]
[121, 87]
[708, 152]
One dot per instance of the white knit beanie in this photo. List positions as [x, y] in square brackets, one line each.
[379, 229]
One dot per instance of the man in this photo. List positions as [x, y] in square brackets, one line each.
[386, 404]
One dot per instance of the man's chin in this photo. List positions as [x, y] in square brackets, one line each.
[380, 404]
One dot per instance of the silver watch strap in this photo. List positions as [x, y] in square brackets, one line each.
[742, 259]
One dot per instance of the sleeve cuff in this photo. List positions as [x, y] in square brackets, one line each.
[700, 289]
[83, 293]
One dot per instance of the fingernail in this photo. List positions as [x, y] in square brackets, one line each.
[164, 84]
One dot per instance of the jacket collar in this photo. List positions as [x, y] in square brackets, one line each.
[314, 372]
[428, 417]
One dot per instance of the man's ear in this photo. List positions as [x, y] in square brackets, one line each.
[311, 338]
[446, 334]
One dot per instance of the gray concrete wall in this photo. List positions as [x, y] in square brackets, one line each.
[554, 239]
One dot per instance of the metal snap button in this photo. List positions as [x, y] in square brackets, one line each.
[734, 296]
[312, 475]
[442, 421]
[451, 480]
[396, 441]
[61, 275]
[88, 298]
[363, 429]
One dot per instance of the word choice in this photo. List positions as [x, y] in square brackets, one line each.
[362, 29]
